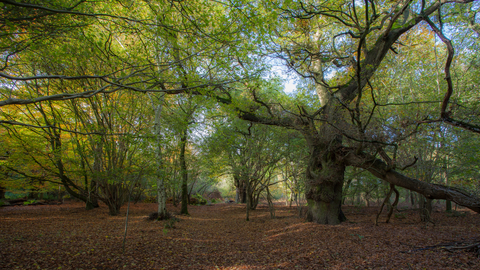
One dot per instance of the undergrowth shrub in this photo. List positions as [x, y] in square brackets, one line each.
[154, 216]
[150, 199]
[30, 202]
[198, 199]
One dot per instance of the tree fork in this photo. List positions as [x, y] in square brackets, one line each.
[394, 204]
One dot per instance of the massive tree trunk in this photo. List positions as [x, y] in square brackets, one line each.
[325, 176]
[325, 201]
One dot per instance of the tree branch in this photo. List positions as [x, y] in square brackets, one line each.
[65, 11]
[431, 191]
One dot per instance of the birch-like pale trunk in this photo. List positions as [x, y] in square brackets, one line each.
[317, 71]
[161, 192]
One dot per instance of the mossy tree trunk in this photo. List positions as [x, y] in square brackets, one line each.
[325, 195]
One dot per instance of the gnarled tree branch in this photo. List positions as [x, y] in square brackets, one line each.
[431, 191]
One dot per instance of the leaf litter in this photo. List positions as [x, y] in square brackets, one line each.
[218, 237]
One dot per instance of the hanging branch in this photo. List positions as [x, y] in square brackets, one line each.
[444, 115]
[448, 63]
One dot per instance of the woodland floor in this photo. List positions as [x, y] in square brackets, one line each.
[218, 237]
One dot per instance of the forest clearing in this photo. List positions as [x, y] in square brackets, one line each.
[338, 106]
[218, 237]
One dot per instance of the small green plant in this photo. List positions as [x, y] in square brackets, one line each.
[30, 202]
[360, 237]
[401, 215]
[170, 223]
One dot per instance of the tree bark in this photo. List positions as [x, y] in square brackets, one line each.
[324, 202]
[240, 190]
[325, 175]
[412, 198]
[425, 206]
[254, 198]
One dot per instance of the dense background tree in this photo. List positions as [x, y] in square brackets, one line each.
[68, 50]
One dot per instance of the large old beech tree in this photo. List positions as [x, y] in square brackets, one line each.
[372, 28]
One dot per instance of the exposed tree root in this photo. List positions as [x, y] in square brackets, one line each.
[472, 245]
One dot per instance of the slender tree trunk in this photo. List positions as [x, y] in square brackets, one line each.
[161, 191]
[237, 195]
[254, 199]
[183, 169]
[394, 205]
[243, 193]
[346, 187]
[56, 144]
[425, 206]
[291, 199]
[248, 202]
[92, 201]
[285, 192]
[271, 207]
[448, 203]
[412, 198]
[113, 209]
[114, 197]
